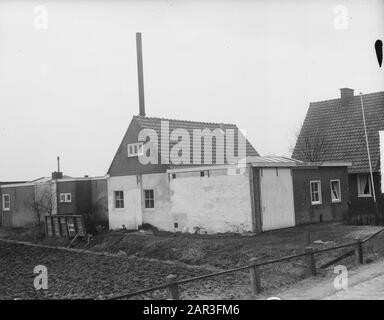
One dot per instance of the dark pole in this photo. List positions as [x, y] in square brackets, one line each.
[140, 73]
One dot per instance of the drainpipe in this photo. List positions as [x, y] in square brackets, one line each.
[369, 157]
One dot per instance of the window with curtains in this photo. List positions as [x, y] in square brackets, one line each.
[364, 188]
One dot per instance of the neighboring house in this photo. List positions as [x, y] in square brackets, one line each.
[333, 130]
[264, 193]
[57, 195]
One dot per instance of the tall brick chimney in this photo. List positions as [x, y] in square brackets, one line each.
[140, 74]
[346, 95]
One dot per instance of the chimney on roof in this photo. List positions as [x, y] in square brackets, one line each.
[346, 96]
[140, 73]
[57, 174]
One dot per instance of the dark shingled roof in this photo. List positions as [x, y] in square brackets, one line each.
[155, 124]
[343, 130]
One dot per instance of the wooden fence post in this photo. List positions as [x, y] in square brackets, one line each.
[254, 273]
[359, 252]
[173, 290]
[311, 264]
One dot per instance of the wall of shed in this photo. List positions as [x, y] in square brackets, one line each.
[68, 207]
[218, 203]
[99, 202]
[305, 212]
[20, 213]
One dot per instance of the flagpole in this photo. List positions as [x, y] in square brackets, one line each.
[369, 154]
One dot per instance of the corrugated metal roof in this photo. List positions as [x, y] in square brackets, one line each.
[273, 159]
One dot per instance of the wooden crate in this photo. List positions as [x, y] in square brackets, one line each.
[64, 225]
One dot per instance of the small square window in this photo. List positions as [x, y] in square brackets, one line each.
[135, 149]
[119, 199]
[149, 199]
[173, 175]
[6, 202]
[315, 192]
[65, 197]
[202, 173]
[335, 191]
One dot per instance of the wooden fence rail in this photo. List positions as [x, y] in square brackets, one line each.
[172, 285]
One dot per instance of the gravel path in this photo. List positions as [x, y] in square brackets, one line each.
[364, 282]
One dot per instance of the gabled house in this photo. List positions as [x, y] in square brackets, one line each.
[139, 192]
[333, 130]
[180, 191]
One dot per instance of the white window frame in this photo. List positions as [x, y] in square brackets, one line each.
[359, 193]
[131, 149]
[339, 190]
[64, 197]
[149, 199]
[319, 191]
[120, 199]
[9, 202]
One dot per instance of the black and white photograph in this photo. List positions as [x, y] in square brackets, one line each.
[188, 157]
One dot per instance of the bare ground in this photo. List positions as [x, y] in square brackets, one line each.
[146, 259]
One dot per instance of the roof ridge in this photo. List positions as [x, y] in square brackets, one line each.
[338, 99]
[181, 120]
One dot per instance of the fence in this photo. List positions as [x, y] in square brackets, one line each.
[173, 286]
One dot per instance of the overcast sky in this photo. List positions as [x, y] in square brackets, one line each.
[68, 87]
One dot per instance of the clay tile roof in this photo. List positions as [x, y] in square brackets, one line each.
[155, 124]
[343, 131]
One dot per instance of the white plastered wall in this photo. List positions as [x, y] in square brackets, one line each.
[218, 203]
[130, 216]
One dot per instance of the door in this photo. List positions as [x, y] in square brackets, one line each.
[276, 193]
